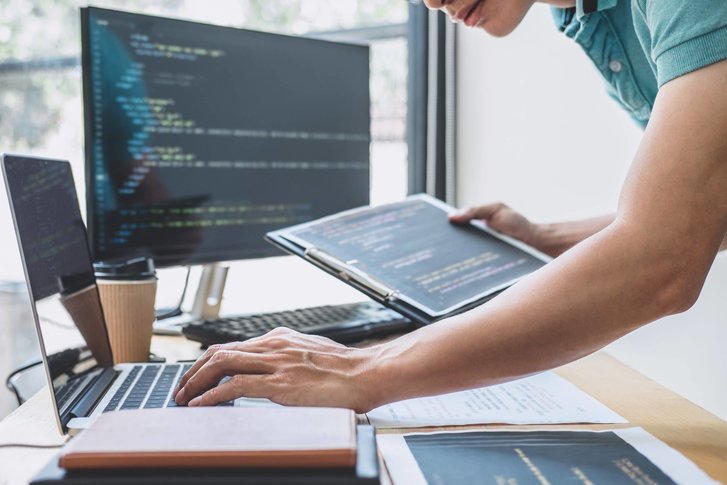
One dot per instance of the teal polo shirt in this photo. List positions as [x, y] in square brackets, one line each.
[639, 45]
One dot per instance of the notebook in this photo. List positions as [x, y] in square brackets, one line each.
[216, 437]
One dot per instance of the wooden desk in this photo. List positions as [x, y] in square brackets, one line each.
[699, 435]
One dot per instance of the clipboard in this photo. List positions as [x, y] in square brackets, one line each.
[408, 256]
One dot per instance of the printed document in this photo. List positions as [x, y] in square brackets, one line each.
[624, 456]
[541, 399]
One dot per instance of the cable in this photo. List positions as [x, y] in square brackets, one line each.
[29, 445]
[178, 309]
[11, 385]
[59, 363]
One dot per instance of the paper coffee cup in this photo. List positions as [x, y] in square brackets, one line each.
[127, 290]
[129, 310]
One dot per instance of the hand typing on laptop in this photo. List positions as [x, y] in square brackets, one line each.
[284, 366]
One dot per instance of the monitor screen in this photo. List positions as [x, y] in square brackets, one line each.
[200, 138]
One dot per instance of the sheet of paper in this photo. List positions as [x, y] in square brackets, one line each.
[542, 399]
[628, 456]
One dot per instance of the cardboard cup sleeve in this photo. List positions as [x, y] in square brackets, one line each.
[129, 310]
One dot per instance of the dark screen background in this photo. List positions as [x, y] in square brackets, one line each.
[50, 228]
[200, 139]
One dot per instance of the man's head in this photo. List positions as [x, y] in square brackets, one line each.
[497, 17]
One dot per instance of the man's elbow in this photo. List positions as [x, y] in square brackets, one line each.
[678, 290]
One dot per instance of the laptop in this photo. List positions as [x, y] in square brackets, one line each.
[69, 319]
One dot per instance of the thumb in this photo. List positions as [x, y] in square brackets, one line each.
[483, 212]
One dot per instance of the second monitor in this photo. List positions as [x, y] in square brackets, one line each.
[200, 139]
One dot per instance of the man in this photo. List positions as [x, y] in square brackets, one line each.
[665, 63]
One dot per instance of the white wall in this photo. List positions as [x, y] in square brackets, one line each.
[535, 129]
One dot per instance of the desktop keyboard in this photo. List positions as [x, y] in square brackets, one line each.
[342, 323]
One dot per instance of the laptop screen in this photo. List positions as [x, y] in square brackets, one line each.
[58, 268]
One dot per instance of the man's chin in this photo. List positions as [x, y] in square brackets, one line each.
[497, 29]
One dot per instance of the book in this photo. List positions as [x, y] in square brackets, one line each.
[216, 437]
[409, 257]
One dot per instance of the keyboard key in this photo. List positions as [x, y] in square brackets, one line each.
[141, 388]
[113, 404]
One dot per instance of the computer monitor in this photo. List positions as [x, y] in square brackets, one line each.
[201, 138]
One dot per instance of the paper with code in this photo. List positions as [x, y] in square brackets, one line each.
[541, 399]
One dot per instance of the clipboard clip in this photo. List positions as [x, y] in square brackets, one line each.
[348, 272]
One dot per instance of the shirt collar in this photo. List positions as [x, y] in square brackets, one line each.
[584, 7]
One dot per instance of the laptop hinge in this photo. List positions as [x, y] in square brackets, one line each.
[94, 394]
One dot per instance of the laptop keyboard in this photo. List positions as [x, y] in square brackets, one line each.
[149, 386]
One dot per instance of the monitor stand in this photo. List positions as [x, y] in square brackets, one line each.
[206, 303]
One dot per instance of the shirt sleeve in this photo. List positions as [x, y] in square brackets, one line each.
[685, 35]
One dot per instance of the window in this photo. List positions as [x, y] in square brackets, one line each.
[40, 86]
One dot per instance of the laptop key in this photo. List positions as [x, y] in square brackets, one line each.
[141, 388]
[114, 403]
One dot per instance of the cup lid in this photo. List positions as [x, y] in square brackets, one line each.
[131, 269]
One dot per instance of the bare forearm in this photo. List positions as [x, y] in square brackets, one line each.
[589, 297]
[556, 238]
